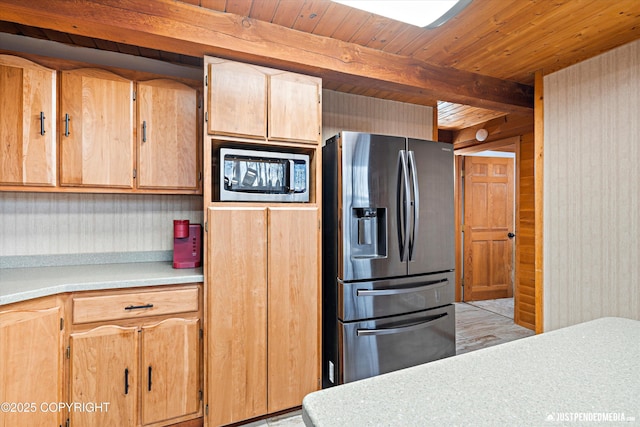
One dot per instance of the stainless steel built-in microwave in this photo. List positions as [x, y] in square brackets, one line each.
[266, 176]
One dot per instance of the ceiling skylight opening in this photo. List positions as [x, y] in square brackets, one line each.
[421, 13]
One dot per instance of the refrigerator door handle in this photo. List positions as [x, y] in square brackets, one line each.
[387, 331]
[398, 291]
[415, 202]
[404, 204]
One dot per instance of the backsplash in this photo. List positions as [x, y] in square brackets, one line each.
[66, 223]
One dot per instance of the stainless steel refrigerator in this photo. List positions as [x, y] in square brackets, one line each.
[388, 255]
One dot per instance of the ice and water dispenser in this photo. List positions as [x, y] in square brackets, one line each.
[369, 232]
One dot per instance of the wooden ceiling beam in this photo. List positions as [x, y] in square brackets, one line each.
[191, 30]
[499, 129]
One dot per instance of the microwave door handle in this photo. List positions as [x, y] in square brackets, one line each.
[388, 331]
[290, 183]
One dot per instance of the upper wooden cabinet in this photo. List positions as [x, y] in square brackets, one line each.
[249, 101]
[28, 124]
[168, 129]
[112, 133]
[96, 129]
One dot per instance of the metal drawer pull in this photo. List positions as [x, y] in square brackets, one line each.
[138, 307]
[397, 291]
[388, 331]
[66, 124]
[42, 123]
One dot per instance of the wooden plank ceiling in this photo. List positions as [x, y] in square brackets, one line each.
[505, 40]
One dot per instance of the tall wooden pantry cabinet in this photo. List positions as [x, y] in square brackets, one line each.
[262, 290]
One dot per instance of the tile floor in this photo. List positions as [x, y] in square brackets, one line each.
[479, 324]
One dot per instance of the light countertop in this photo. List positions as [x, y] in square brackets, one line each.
[583, 374]
[20, 284]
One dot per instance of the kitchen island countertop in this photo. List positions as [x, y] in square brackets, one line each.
[583, 374]
[21, 284]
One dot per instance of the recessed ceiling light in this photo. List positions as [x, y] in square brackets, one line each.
[421, 13]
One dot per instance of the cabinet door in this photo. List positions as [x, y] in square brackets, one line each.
[294, 107]
[103, 368]
[170, 375]
[96, 129]
[237, 100]
[237, 328]
[30, 366]
[294, 295]
[28, 123]
[167, 135]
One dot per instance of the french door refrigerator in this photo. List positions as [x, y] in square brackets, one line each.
[388, 255]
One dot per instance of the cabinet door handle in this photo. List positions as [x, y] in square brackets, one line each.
[144, 131]
[126, 381]
[149, 382]
[66, 124]
[138, 307]
[42, 122]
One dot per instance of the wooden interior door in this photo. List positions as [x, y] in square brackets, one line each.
[488, 222]
[237, 306]
[170, 370]
[104, 368]
[293, 291]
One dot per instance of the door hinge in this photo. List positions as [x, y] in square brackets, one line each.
[200, 176]
[206, 227]
[200, 394]
[319, 224]
[134, 95]
[135, 172]
[206, 80]
[206, 116]
[206, 410]
[68, 352]
[61, 324]
[67, 423]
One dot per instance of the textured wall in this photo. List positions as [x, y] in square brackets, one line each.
[592, 189]
[65, 223]
[343, 111]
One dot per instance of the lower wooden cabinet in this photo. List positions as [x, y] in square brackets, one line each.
[263, 301]
[104, 369]
[31, 369]
[148, 369]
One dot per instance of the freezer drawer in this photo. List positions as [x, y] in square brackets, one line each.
[379, 346]
[391, 297]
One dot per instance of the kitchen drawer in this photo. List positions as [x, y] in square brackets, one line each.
[133, 305]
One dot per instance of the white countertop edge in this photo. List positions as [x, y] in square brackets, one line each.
[48, 281]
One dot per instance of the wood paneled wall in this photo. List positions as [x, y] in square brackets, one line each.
[343, 111]
[525, 235]
[591, 189]
[67, 223]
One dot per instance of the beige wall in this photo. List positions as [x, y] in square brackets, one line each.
[342, 111]
[65, 223]
[592, 189]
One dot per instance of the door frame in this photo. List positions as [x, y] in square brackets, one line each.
[511, 144]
